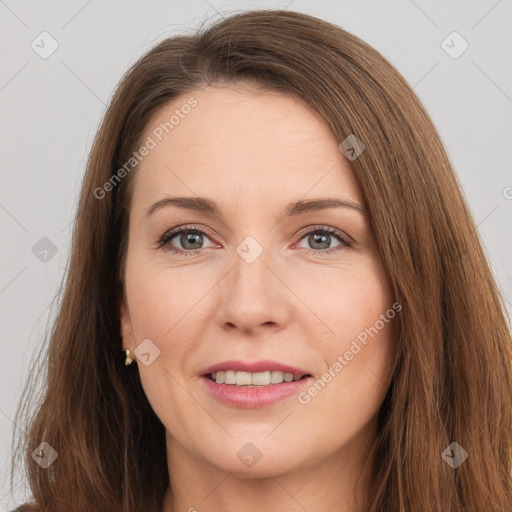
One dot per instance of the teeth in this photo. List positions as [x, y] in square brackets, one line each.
[230, 377]
[244, 378]
[256, 379]
[253, 379]
[276, 377]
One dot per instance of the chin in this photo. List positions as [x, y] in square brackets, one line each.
[253, 459]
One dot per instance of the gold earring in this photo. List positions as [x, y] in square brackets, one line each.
[128, 359]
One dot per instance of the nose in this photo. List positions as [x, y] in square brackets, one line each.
[253, 295]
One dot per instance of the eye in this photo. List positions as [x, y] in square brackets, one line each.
[321, 237]
[189, 238]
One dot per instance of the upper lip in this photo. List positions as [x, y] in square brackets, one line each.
[254, 367]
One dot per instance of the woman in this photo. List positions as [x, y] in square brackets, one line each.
[208, 355]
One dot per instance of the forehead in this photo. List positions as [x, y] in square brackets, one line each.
[258, 145]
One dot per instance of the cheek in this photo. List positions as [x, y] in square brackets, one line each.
[162, 301]
[350, 390]
[342, 301]
[356, 343]
[164, 313]
[168, 307]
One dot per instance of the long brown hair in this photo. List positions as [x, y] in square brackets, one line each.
[452, 370]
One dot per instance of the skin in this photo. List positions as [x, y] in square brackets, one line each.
[253, 152]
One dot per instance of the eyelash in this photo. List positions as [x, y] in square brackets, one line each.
[169, 235]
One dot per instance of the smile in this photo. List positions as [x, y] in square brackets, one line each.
[253, 396]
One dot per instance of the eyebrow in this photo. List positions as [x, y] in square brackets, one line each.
[207, 206]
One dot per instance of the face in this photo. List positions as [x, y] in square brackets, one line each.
[295, 290]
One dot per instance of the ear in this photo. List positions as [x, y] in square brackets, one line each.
[126, 324]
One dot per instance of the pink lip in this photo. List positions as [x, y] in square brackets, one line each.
[253, 398]
[255, 367]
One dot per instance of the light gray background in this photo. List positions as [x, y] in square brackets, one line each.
[51, 108]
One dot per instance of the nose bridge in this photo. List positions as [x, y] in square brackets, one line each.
[252, 294]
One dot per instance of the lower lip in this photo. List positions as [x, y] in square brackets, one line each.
[254, 398]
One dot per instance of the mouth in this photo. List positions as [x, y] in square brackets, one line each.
[246, 390]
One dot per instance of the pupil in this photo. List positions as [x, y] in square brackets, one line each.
[189, 237]
[324, 237]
